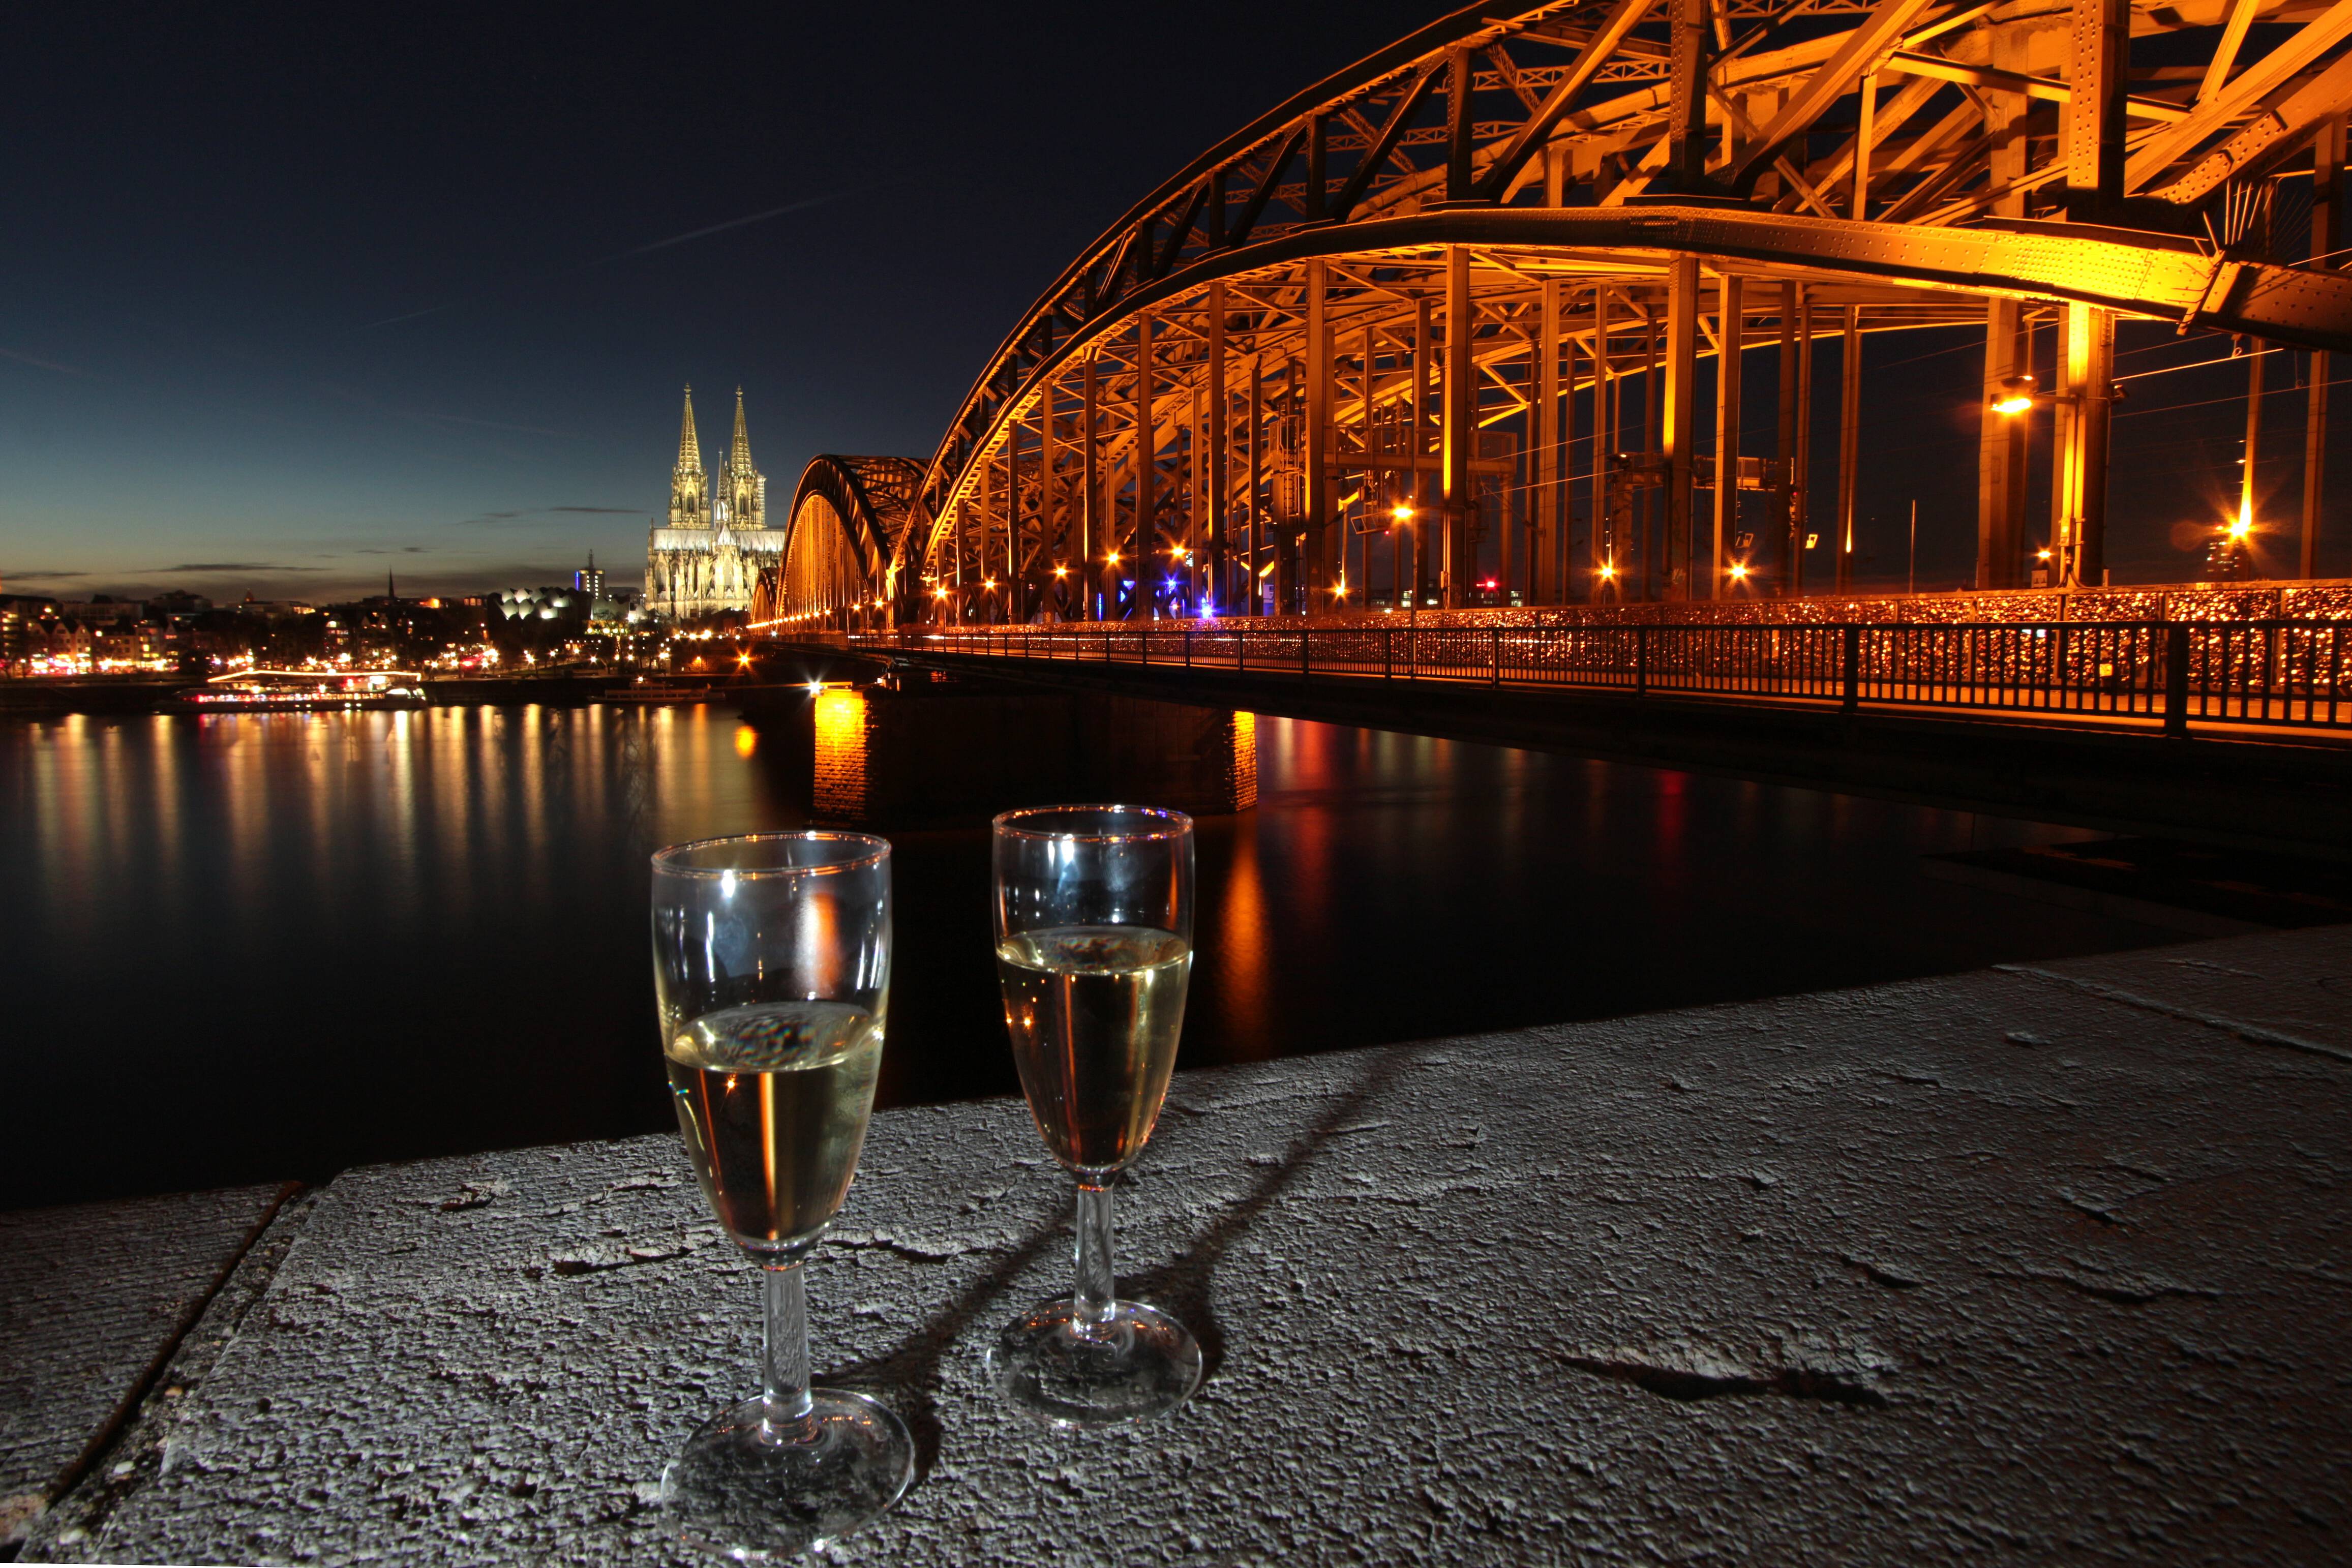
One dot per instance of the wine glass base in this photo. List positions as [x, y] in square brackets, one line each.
[1138, 1363]
[754, 1487]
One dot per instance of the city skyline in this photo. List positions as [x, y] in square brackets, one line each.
[428, 302]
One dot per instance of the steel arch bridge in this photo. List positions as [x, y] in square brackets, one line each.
[843, 543]
[1440, 323]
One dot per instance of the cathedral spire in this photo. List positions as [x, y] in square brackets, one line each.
[738, 452]
[690, 449]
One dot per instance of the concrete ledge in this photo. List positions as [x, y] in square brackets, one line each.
[2046, 1262]
[93, 1300]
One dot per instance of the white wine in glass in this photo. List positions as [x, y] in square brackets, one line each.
[1093, 917]
[1094, 1012]
[773, 1099]
[771, 981]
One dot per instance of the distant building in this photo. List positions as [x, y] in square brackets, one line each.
[709, 557]
[589, 579]
[274, 610]
[178, 602]
[568, 605]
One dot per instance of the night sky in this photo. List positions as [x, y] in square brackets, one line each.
[292, 295]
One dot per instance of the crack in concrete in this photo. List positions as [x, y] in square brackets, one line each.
[2254, 1034]
[1880, 1274]
[571, 1267]
[1688, 1384]
[2124, 1295]
[905, 1250]
[2100, 1212]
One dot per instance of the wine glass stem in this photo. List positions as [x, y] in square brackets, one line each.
[1096, 1293]
[783, 1350]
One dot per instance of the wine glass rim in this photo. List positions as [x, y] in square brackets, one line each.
[1160, 823]
[668, 860]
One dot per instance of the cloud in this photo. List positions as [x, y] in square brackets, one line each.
[404, 549]
[47, 364]
[199, 567]
[39, 576]
[540, 516]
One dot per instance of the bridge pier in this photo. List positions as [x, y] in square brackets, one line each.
[962, 751]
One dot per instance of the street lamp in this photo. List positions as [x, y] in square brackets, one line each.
[2016, 395]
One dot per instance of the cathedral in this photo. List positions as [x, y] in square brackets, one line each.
[709, 556]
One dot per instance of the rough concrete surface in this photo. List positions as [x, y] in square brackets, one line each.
[2012, 1265]
[91, 1297]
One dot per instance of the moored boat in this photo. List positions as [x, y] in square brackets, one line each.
[301, 690]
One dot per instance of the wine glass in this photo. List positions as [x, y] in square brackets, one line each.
[771, 976]
[1094, 945]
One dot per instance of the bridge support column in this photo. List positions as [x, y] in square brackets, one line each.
[986, 517]
[1147, 474]
[1317, 441]
[1052, 549]
[1457, 432]
[1804, 428]
[2086, 362]
[1603, 542]
[1547, 554]
[1849, 443]
[2002, 453]
[1424, 519]
[1218, 593]
[1793, 558]
[1090, 499]
[1730, 360]
[1253, 500]
[1015, 606]
[2327, 238]
[1731, 330]
[1680, 415]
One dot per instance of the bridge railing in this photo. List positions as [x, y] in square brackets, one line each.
[2295, 673]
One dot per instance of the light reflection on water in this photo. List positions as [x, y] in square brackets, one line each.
[289, 943]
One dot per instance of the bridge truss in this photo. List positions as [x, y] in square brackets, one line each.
[1436, 330]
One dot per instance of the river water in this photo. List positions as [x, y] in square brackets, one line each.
[252, 947]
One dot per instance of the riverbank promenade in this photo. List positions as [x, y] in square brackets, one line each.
[2030, 1263]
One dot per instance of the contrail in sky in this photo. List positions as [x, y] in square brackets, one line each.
[608, 260]
[390, 321]
[71, 370]
[718, 228]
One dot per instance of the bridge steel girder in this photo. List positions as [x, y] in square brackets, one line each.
[871, 501]
[1726, 143]
[2150, 277]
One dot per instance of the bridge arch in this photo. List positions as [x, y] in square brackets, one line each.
[1394, 295]
[848, 523]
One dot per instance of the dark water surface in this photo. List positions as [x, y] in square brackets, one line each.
[248, 947]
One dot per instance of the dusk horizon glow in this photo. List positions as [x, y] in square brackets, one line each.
[425, 302]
